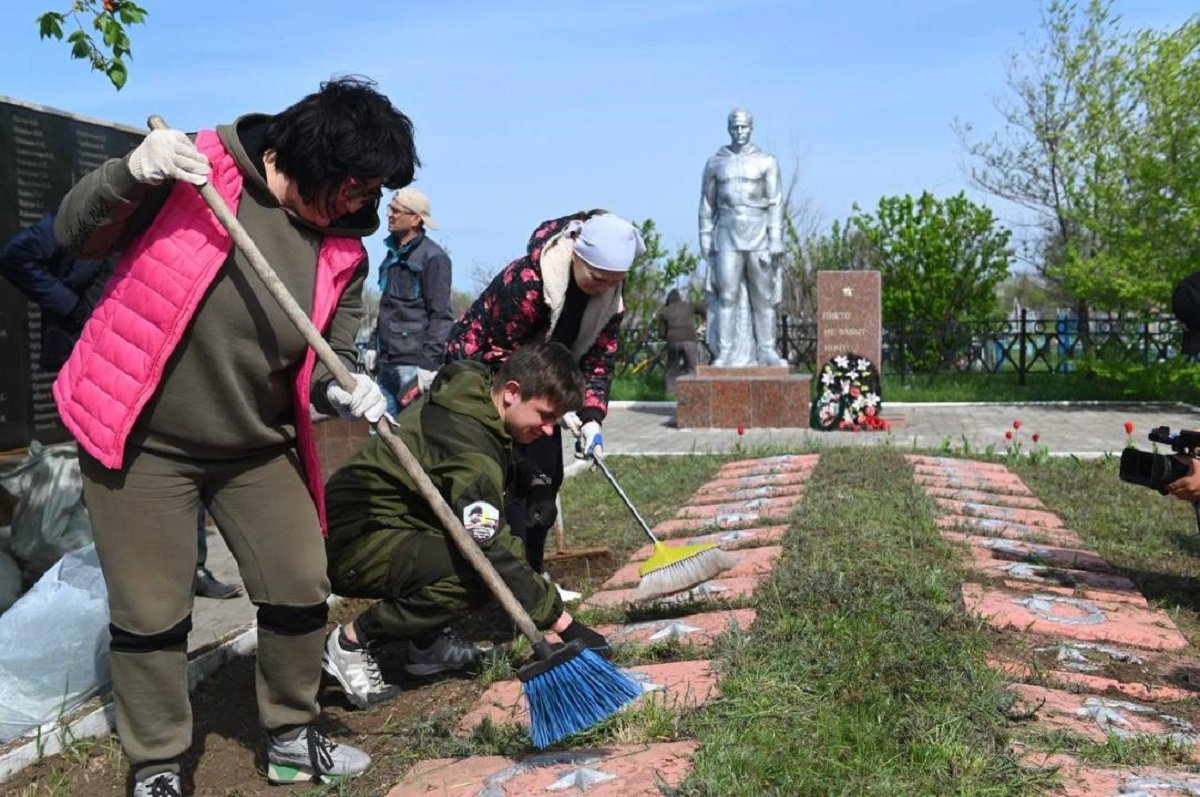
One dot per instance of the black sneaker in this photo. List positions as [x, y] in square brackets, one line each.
[442, 653]
[209, 586]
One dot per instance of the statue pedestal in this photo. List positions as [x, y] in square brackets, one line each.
[770, 397]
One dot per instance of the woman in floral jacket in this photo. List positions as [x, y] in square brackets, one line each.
[566, 288]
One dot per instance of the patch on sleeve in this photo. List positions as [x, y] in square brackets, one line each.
[482, 520]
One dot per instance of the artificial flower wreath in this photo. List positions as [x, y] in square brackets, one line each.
[848, 396]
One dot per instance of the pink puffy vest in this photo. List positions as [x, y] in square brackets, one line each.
[159, 281]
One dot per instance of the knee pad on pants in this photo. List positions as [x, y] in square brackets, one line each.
[128, 642]
[292, 620]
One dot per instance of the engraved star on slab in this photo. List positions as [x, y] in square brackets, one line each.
[581, 779]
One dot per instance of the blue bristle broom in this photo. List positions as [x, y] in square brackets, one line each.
[569, 688]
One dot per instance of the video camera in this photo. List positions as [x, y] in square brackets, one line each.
[1158, 470]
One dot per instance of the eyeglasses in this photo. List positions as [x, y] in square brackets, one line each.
[355, 190]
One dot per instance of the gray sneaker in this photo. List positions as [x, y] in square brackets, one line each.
[164, 784]
[444, 653]
[311, 756]
[356, 671]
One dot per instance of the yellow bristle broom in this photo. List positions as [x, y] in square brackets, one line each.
[671, 568]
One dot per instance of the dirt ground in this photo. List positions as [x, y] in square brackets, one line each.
[225, 759]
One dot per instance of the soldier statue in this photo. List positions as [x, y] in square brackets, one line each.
[741, 235]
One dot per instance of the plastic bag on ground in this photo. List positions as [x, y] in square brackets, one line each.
[54, 645]
[50, 519]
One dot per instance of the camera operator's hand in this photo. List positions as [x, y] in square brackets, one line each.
[1186, 487]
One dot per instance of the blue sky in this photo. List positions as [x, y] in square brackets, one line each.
[529, 110]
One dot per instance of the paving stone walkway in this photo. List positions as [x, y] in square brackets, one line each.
[1103, 657]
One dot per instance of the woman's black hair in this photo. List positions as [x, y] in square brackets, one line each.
[345, 129]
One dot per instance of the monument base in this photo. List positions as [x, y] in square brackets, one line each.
[758, 397]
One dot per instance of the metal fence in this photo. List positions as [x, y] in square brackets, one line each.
[1020, 345]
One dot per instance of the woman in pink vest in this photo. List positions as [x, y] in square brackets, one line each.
[188, 384]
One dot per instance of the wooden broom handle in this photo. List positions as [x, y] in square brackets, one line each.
[462, 539]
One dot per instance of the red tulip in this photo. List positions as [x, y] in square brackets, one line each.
[741, 429]
[1128, 427]
[1036, 437]
[1008, 435]
[1017, 423]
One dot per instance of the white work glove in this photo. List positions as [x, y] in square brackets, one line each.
[366, 401]
[572, 422]
[369, 357]
[425, 379]
[590, 443]
[168, 155]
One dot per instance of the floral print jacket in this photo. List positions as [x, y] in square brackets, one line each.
[516, 309]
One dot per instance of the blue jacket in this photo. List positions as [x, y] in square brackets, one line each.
[414, 305]
[64, 288]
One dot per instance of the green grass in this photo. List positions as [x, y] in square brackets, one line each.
[1000, 387]
[862, 676]
[1003, 387]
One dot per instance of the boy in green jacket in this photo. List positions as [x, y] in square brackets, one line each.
[386, 543]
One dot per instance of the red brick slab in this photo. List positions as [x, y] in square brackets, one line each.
[799, 477]
[1096, 684]
[678, 685]
[1097, 717]
[1130, 597]
[1021, 551]
[1084, 780]
[944, 479]
[994, 482]
[700, 630]
[984, 497]
[751, 562]
[728, 540]
[1026, 517]
[1049, 576]
[634, 770]
[954, 463]
[786, 462]
[987, 527]
[1073, 618]
[707, 495]
[719, 589]
[687, 527]
[751, 505]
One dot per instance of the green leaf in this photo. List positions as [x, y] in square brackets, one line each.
[50, 25]
[117, 73]
[82, 48]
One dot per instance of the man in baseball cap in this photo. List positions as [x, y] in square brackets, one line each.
[409, 343]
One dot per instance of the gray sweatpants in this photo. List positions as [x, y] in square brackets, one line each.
[144, 521]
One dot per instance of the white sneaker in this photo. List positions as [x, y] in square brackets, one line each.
[567, 595]
[310, 756]
[164, 784]
[356, 671]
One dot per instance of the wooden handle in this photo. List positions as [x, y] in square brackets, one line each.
[462, 539]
